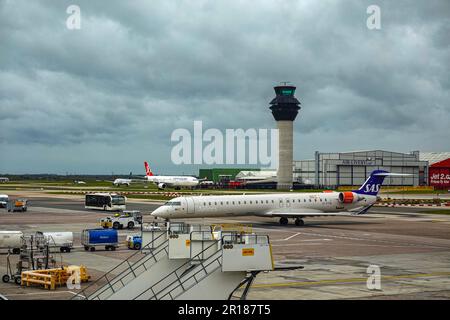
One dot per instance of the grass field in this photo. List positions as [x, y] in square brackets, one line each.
[437, 211]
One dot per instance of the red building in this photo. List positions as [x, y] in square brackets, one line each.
[439, 174]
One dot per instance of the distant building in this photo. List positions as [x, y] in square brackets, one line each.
[218, 175]
[4, 179]
[331, 170]
[247, 175]
[438, 168]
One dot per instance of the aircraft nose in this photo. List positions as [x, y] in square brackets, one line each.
[158, 212]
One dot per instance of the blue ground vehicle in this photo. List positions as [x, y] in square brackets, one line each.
[91, 238]
[134, 242]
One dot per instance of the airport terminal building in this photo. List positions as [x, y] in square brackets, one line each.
[331, 170]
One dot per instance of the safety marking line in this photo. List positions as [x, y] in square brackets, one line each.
[376, 240]
[342, 281]
[38, 293]
[286, 239]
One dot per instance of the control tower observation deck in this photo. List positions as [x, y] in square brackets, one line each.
[285, 107]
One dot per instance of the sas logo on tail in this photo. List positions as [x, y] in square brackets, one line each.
[372, 188]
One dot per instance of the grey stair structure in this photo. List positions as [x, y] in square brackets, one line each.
[185, 262]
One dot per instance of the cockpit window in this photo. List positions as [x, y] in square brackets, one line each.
[172, 203]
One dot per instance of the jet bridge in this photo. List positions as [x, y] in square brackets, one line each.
[185, 262]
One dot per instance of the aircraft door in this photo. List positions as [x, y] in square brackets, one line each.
[190, 205]
[285, 203]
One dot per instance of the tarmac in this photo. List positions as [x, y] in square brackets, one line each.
[410, 248]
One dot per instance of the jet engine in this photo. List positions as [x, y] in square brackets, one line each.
[161, 185]
[347, 197]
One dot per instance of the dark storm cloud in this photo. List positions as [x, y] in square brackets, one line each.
[137, 70]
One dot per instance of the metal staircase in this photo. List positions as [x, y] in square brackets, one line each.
[187, 263]
[122, 274]
[186, 276]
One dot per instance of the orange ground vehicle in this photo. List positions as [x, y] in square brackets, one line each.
[18, 205]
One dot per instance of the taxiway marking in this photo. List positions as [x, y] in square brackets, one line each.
[336, 281]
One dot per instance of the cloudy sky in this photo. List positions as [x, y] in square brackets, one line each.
[106, 97]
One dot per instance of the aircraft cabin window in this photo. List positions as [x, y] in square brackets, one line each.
[221, 202]
[215, 203]
[204, 204]
[239, 202]
[256, 201]
[210, 203]
[267, 201]
[250, 202]
[309, 200]
[233, 202]
[320, 200]
[273, 201]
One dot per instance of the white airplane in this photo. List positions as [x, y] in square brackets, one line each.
[170, 181]
[122, 181]
[282, 205]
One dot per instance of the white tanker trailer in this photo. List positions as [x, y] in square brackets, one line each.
[11, 240]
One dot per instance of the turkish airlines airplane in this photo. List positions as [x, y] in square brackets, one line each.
[170, 181]
[283, 205]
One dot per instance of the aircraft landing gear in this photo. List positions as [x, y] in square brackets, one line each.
[284, 221]
[299, 222]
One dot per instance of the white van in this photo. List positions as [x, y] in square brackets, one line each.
[61, 240]
[11, 240]
[4, 200]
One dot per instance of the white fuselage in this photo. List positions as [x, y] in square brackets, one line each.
[121, 181]
[275, 204]
[174, 181]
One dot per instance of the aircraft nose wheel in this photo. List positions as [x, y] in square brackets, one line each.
[299, 222]
[284, 221]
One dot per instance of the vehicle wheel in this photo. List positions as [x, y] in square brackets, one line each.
[68, 250]
[130, 225]
[299, 222]
[5, 278]
[137, 246]
[284, 221]
[16, 251]
[18, 280]
[62, 249]
[86, 248]
[116, 225]
[105, 227]
[92, 249]
[113, 248]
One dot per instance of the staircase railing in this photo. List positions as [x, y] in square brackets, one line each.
[202, 268]
[181, 269]
[122, 270]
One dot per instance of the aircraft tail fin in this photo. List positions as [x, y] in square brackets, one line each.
[373, 183]
[148, 171]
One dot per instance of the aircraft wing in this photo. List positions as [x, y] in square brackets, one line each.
[298, 213]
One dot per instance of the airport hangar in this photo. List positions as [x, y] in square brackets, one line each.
[331, 170]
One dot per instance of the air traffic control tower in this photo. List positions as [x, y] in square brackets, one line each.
[285, 109]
